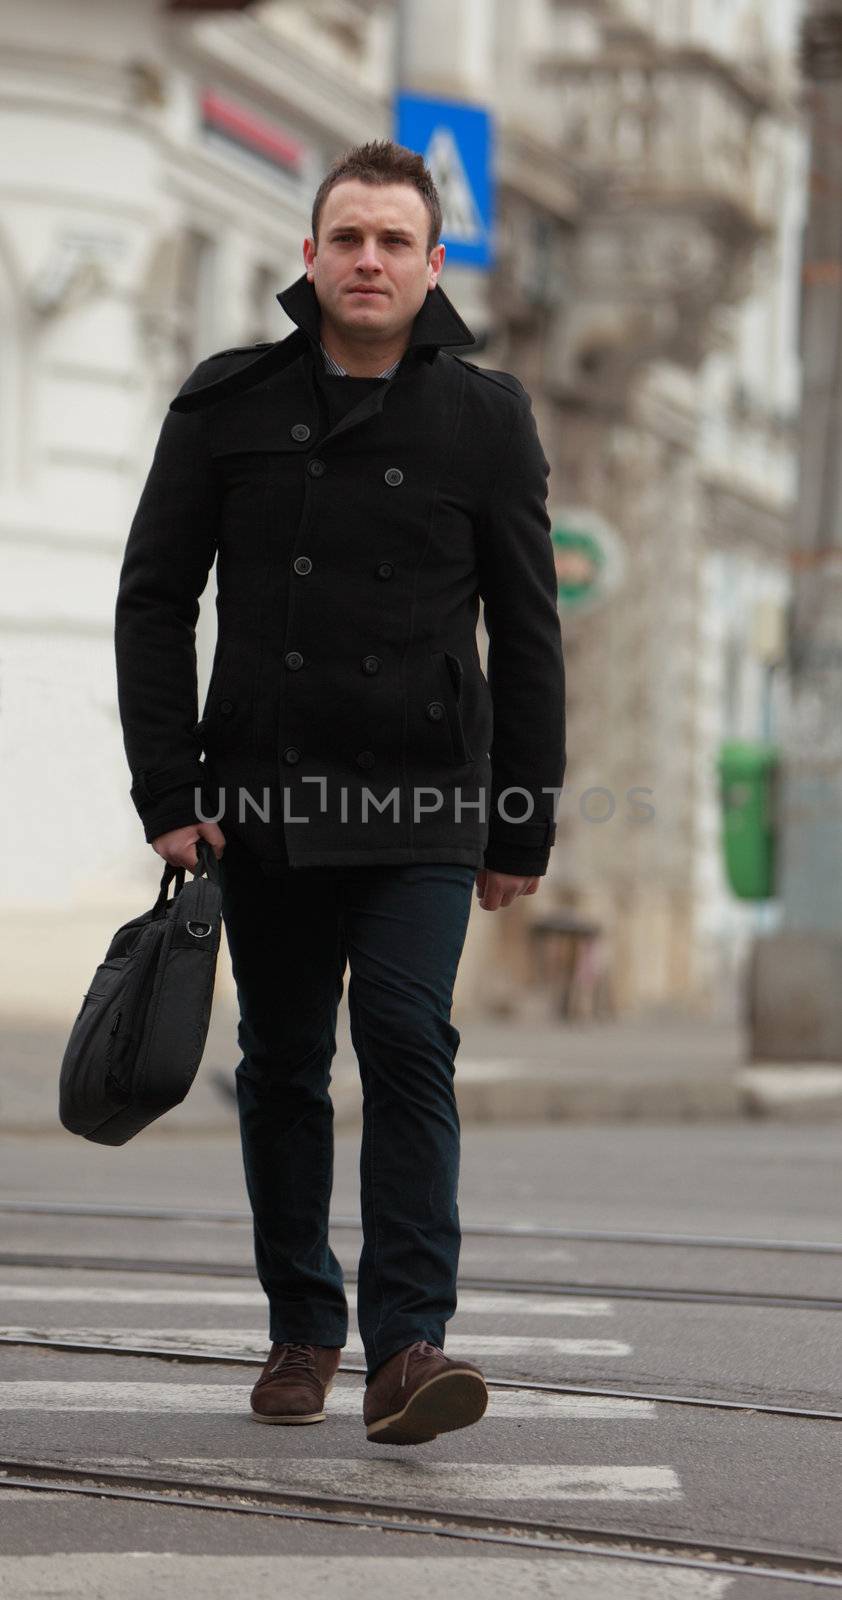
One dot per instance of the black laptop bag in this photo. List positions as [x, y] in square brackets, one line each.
[136, 1044]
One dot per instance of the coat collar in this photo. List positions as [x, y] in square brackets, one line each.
[436, 324]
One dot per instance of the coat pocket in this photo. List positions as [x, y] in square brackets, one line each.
[225, 724]
[450, 671]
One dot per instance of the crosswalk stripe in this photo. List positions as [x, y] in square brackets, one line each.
[243, 1341]
[441, 1482]
[343, 1401]
[147, 1575]
[473, 1302]
[458, 1480]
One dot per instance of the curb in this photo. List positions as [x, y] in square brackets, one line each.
[498, 1091]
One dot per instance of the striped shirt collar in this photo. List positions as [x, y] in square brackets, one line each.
[336, 371]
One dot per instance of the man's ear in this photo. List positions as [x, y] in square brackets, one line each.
[435, 263]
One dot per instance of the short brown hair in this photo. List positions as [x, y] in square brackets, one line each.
[382, 161]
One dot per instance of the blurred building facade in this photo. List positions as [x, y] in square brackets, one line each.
[156, 175]
[667, 358]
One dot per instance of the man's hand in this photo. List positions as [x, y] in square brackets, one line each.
[495, 889]
[178, 847]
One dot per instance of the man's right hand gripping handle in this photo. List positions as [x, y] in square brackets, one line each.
[178, 847]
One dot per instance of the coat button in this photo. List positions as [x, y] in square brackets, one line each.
[366, 759]
[226, 707]
[435, 711]
[291, 755]
[294, 659]
[385, 569]
[303, 564]
[394, 476]
[300, 431]
[371, 663]
[316, 468]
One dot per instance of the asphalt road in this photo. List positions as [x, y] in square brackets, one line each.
[631, 1318]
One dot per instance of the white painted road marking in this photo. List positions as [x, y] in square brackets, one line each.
[474, 1302]
[416, 1482]
[146, 1575]
[344, 1400]
[426, 1482]
[243, 1341]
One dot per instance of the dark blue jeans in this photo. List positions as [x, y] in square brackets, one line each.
[402, 929]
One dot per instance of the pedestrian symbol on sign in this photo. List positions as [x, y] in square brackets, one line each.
[455, 140]
[460, 212]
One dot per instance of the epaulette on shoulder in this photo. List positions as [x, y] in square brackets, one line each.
[204, 384]
[241, 350]
[504, 380]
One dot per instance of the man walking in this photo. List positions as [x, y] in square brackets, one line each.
[361, 488]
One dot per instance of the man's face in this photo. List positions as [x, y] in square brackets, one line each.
[372, 269]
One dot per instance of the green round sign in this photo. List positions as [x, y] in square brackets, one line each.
[589, 558]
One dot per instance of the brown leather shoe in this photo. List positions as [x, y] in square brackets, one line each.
[294, 1382]
[418, 1393]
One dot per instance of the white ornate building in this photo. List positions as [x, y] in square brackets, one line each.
[156, 173]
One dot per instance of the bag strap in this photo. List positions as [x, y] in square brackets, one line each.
[167, 876]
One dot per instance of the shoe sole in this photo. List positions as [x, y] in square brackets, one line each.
[290, 1419]
[442, 1404]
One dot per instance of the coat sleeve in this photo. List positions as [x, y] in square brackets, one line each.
[168, 555]
[526, 675]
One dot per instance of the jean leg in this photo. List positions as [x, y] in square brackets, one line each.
[405, 929]
[288, 957]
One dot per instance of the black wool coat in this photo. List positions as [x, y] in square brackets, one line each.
[348, 719]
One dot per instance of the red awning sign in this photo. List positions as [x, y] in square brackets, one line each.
[251, 132]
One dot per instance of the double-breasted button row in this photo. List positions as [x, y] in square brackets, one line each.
[303, 565]
[317, 468]
[365, 759]
[371, 664]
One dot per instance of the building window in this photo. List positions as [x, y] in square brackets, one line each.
[263, 309]
[196, 283]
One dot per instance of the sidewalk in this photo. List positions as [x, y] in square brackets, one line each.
[659, 1069]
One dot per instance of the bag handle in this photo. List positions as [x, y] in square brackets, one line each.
[206, 860]
[206, 863]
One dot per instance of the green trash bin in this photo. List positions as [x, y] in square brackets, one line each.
[747, 780]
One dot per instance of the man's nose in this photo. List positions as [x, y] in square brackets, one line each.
[368, 257]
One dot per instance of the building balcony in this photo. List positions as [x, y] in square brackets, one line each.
[678, 160]
[676, 129]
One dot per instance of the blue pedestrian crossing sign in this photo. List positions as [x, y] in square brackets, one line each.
[456, 142]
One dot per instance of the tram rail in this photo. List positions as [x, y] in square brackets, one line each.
[559, 1538]
[492, 1230]
[185, 1354]
[674, 1294]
